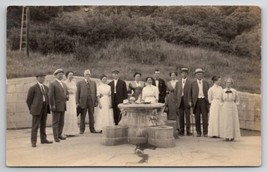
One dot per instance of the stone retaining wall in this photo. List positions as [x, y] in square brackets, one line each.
[18, 114]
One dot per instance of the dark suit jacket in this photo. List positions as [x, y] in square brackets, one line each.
[162, 89]
[121, 91]
[58, 96]
[178, 92]
[81, 94]
[194, 93]
[35, 99]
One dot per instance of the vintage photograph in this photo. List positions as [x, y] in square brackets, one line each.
[133, 86]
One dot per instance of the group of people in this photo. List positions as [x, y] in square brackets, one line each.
[68, 99]
[214, 108]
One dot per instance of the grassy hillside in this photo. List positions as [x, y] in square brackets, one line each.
[130, 56]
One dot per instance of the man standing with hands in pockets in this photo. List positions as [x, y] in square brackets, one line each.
[37, 101]
[86, 100]
[58, 96]
[199, 101]
[182, 91]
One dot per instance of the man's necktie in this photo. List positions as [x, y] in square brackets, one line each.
[43, 92]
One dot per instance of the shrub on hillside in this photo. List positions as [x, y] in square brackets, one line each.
[55, 43]
[84, 53]
[14, 38]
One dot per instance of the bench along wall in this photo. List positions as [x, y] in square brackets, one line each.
[18, 114]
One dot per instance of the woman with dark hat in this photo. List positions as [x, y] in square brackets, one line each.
[229, 122]
[136, 86]
[214, 96]
[104, 111]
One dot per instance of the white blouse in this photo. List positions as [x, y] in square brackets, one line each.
[150, 93]
[215, 93]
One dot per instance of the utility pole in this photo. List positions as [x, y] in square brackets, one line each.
[24, 32]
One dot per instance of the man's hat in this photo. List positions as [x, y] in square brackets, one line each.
[115, 72]
[58, 71]
[184, 69]
[198, 70]
[40, 74]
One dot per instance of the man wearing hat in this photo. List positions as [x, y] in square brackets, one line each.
[86, 100]
[182, 92]
[118, 94]
[37, 101]
[58, 95]
[160, 83]
[199, 101]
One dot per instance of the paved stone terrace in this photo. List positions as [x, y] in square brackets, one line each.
[87, 150]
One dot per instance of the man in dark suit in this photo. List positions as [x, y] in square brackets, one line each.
[37, 101]
[58, 96]
[199, 101]
[118, 94]
[86, 100]
[160, 83]
[182, 92]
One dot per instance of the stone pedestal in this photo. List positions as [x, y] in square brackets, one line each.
[138, 117]
[161, 136]
[114, 135]
[173, 124]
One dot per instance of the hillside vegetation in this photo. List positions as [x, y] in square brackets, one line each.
[224, 41]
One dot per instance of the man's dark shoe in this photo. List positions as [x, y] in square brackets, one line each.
[198, 135]
[205, 135]
[189, 134]
[46, 142]
[62, 137]
[93, 131]
[57, 140]
[34, 145]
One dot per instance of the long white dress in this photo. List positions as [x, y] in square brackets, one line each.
[214, 96]
[71, 120]
[229, 115]
[104, 116]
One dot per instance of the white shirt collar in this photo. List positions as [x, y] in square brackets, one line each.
[59, 81]
[40, 84]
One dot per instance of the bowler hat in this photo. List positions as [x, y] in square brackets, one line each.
[115, 72]
[40, 74]
[58, 71]
[198, 70]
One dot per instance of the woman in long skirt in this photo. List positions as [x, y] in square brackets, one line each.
[214, 95]
[104, 112]
[71, 121]
[170, 98]
[229, 129]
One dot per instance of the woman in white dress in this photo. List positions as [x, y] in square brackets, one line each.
[104, 112]
[71, 122]
[150, 93]
[229, 129]
[214, 96]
